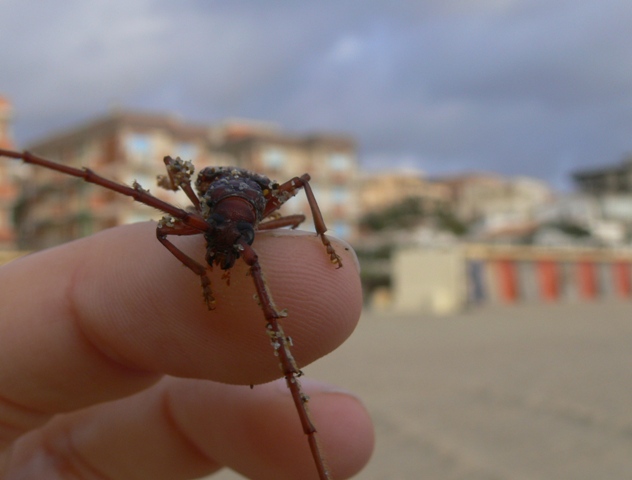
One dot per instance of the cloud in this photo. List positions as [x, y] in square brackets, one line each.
[506, 85]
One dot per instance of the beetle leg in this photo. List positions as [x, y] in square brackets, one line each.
[179, 175]
[170, 226]
[281, 344]
[319, 224]
[292, 221]
[136, 192]
[286, 191]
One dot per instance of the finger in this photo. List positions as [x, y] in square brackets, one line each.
[189, 428]
[260, 437]
[105, 316]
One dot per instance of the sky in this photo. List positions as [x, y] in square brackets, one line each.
[520, 87]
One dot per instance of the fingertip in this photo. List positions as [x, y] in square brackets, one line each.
[158, 301]
[120, 299]
[261, 432]
[303, 279]
[342, 247]
[344, 426]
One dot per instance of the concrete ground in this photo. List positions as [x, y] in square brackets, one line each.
[495, 393]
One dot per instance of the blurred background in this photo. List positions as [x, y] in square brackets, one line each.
[477, 155]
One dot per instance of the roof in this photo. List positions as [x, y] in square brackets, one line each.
[117, 119]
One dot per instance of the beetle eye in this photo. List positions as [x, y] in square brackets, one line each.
[247, 232]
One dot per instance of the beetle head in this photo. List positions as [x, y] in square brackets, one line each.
[232, 223]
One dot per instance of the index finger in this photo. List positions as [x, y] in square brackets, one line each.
[106, 316]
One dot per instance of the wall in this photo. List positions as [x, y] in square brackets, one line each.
[445, 280]
[431, 280]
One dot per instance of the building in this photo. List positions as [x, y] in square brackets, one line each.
[8, 173]
[614, 179]
[611, 189]
[378, 191]
[446, 279]
[495, 201]
[129, 146]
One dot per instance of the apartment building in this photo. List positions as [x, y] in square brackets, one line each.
[129, 146]
[492, 198]
[611, 188]
[613, 179]
[382, 190]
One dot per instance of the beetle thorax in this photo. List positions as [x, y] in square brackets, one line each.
[215, 184]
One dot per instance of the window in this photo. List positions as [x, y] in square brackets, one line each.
[341, 230]
[339, 162]
[138, 146]
[274, 158]
[340, 195]
[186, 151]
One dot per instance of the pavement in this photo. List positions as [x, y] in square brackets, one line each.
[538, 391]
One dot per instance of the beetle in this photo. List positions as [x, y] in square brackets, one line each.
[231, 204]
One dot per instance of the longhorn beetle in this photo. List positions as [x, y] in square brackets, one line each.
[231, 204]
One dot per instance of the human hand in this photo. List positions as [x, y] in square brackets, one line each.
[111, 366]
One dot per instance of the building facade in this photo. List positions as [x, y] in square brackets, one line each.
[614, 179]
[493, 200]
[129, 146]
[382, 190]
[611, 188]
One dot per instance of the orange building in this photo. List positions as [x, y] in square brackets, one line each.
[127, 146]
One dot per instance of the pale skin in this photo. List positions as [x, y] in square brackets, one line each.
[112, 367]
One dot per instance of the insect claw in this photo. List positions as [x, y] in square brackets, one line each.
[209, 299]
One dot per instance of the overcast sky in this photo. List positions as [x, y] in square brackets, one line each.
[533, 87]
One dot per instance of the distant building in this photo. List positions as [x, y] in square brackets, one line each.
[611, 189]
[379, 191]
[127, 146]
[615, 179]
[8, 185]
[495, 200]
